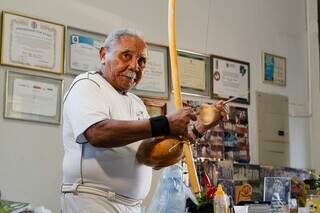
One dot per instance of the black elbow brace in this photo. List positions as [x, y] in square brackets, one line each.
[159, 126]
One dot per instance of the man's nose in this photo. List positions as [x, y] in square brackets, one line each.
[133, 64]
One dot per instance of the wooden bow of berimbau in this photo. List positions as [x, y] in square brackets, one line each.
[193, 178]
[163, 152]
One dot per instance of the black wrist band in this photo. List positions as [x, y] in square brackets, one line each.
[196, 132]
[159, 126]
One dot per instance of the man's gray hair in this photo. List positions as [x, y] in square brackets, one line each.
[118, 33]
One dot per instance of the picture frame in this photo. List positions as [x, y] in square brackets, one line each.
[236, 135]
[33, 98]
[274, 69]
[231, 78]
[194, 70]
[155, 107]
[32, 43]
[155, 80]
[246, 172]
[277, 190]
[82, 50]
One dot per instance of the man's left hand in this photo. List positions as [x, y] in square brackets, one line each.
[221, 112]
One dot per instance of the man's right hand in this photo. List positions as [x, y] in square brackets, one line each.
[179, 121]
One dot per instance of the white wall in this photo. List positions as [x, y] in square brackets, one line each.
[30, 153]
[314, 72]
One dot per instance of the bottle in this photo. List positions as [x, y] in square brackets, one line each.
[219, 202]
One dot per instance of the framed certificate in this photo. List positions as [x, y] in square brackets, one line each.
[155, 80]
[231, 78]
[82, 50]
[32, 43]
[274, 69]
[33, 98]
[155, 107]
[194, 72]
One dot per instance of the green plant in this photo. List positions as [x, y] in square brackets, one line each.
[203, 201]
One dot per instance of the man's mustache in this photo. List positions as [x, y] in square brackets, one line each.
[130, 74]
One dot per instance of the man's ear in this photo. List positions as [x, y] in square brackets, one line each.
[102, 54]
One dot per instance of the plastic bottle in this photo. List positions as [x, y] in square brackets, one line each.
[220, 204]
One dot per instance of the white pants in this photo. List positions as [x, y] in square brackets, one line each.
[88, 203]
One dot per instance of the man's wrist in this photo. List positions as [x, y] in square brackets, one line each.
[198, 129]
[201, 127]
[196, 132]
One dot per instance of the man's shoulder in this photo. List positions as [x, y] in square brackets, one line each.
[84, 82]
[87, 80]
[90, 76]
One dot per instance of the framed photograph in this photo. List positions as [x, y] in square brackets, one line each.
[194, 72]
[33, 98]
[236, 135]
[82, 50]
[32, 43]
[277, 190]
[231, 78]
[274, 69]
[155, 80]
[155, 107]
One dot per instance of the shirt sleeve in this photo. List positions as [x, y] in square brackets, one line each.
[84, 106]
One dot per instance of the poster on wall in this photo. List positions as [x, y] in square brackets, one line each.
[33, 98]
[32, 43]
[155, 81]
[228, 140]
[246, 172]
[231, 78]
[274, 68]
[82, 50]
[194, 73]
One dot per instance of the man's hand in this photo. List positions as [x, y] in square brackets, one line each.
[223, 108]
[201, 127]
[179, 121]
[220, 106]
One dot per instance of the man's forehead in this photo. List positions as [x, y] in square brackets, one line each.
[131, 44]
[142, 51]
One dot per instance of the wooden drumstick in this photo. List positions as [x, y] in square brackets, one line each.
[229, 100]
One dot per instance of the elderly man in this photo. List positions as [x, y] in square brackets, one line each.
[103, 124]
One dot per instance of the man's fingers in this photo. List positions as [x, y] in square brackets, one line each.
[220, 105]
[221, 102]
[190, 116]
[190, 113]
[226, 108]
[187, 109]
